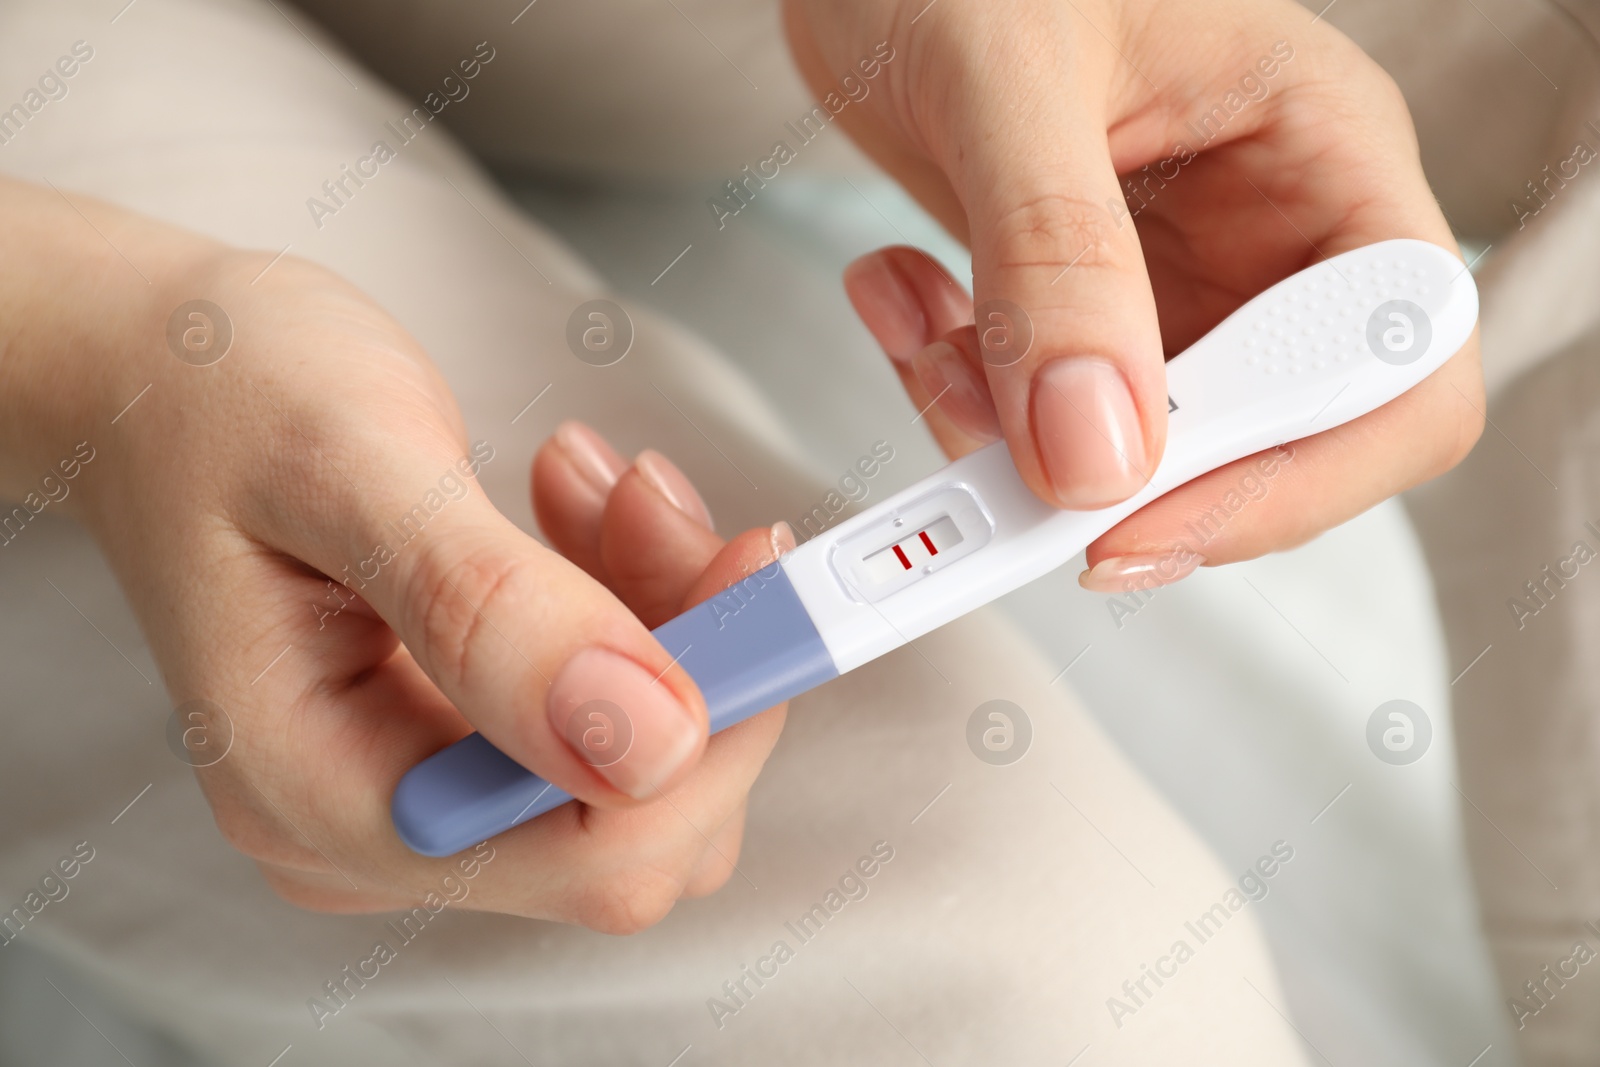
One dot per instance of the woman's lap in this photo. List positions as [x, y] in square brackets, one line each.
[1019, 898]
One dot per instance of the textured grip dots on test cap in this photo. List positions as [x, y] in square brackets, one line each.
[1399, 332]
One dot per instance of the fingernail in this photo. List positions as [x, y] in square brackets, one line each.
[897, 319]
[621, 721]
[672, 483]
[1088, 432]
[594, 460]
[958, 390]
[781, 538]
[1123, 574]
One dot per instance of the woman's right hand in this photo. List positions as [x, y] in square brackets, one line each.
[1114, 219]
[298, 530]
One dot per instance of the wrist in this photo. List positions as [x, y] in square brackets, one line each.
[82, 332]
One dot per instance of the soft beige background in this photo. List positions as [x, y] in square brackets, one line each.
[1013, 918]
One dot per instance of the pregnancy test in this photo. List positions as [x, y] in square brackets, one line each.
[1325, 346]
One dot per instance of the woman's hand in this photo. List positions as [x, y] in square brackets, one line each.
[1251, 140]
[299, 530]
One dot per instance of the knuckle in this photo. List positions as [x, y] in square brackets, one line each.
[256, 836]
[1387, 92]
[292, 891]
[625, 902]
[1053, 229]
[299, 893]
[1353, 91]
[713, 872]
[1466, 429]
[1454, 416]
[457, 598]
[709, 882]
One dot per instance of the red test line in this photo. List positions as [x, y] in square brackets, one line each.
[901, 556]
[929, 543]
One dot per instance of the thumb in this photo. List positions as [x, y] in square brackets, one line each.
[530, 649]
[1063, 305]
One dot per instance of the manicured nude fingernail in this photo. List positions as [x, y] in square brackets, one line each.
[781, 537]
[621, 721]
[672, 483]
[1088, 432]
[958, 390]
[594, 460]
[1122, 574]
[894, 310]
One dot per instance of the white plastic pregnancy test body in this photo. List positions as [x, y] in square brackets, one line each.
[1321, 348]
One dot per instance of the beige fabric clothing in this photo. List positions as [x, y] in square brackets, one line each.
[1008, 915]
[1502, 147]
[1018, 899]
